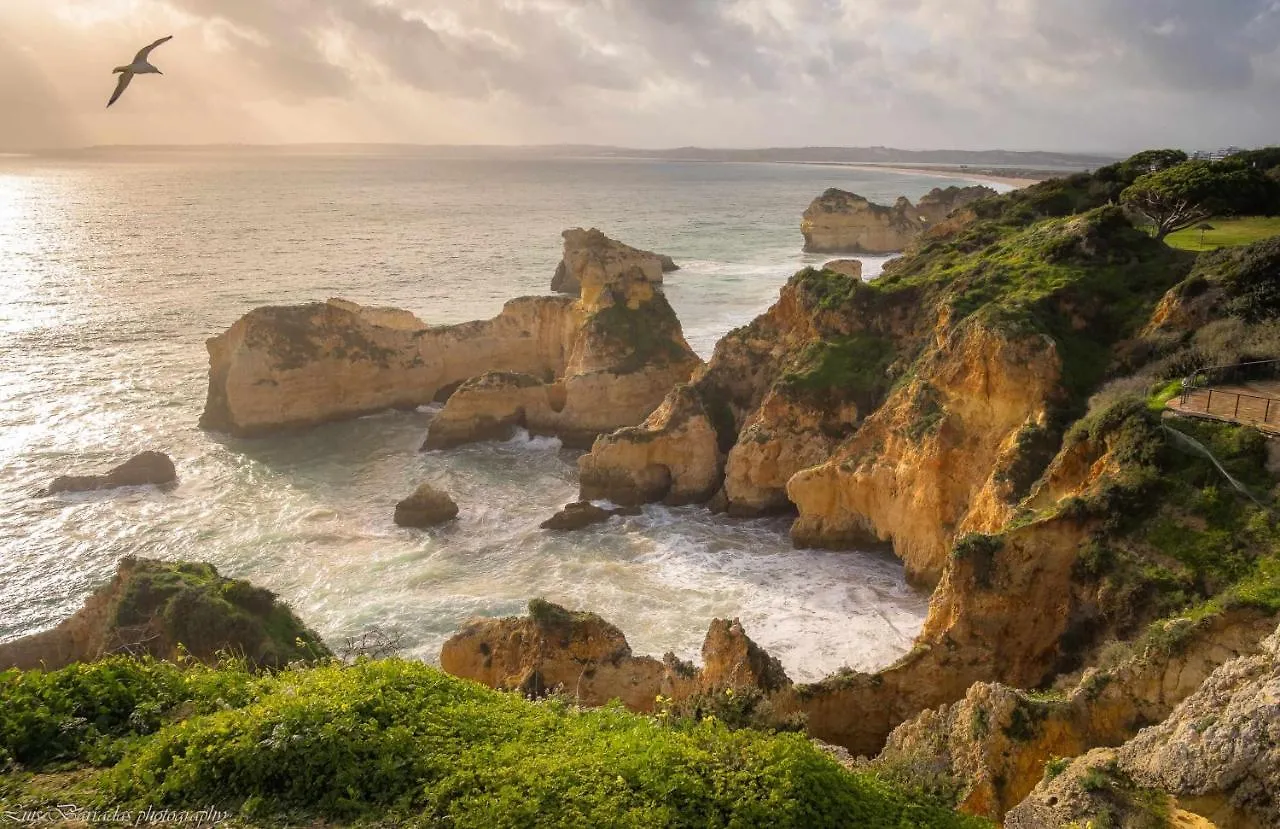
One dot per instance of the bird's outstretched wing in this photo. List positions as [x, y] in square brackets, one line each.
[145, 51]
[121, 86]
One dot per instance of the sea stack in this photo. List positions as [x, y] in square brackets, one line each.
[590, 251]
[842, 222]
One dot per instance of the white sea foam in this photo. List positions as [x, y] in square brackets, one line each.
[105, 326]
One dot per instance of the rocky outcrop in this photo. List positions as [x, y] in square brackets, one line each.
[990, 748]
[843, 222]
[627, 354]
[166, 609]
[282, 367]
[554, 365]
[778, 395]
[941, 202]
[582, 514]
[426, 507]
[851, 268]
[146, 468]
[493, 406]
[1217, 756]
[929, 466]
[590, 252]
[554, 650]
[787, 434]
[672, 457]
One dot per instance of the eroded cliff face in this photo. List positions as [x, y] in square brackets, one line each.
[991, 747]
[554, 650]
[843, 222]
[672, 457]
[285, 367]
[589, 254]
[573, 368]
[789, 432]
[778, 395]
[931, 464]
[1215, 756]
[627, 354]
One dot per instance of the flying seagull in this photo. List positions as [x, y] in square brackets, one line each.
[140, 66]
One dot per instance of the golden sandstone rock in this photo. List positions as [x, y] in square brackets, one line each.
[590, 251]
[554, 365]
[580, 655]
[843, 222]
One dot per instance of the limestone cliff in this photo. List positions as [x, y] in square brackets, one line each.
[1216, 757]
[554, 650]
[628, 352]
[927, 466]
[988, 751]
[161, 609]
[591, 252]
[778, 395]
[606, 361]
[282, 367]
[672, 457]
[843, 222]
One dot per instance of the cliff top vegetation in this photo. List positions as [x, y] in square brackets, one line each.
[402, 743]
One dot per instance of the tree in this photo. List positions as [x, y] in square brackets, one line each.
[1151, 161]
[1175, 198]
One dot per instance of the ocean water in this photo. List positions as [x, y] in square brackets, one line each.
[115, 268]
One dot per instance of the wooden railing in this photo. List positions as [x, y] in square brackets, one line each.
[1202, 393]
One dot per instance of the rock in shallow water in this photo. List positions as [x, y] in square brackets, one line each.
[582, 514]
[146, 468]
[426, 507]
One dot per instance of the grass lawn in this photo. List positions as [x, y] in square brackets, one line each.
[1227, 233]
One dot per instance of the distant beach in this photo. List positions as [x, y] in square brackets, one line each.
[1017, 179]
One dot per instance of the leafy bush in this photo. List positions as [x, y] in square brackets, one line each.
[77, 713]
[391, 740]
[1253, 285]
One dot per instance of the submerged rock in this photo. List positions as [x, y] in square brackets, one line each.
[582, 514]
[146, 468]
[426, 507]
[589, 253]
[843, 222]
[165, 609]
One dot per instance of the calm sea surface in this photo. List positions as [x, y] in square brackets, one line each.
[115, 268]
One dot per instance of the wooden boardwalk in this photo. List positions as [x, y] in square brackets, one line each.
[1255, 404]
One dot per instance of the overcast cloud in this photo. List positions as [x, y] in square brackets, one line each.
[1092, 75]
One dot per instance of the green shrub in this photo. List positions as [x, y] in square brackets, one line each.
[844, 368]
[394, 740]
[76, 713]
[1055, 767]
[980, 551]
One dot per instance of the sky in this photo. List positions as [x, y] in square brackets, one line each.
[1070, 75]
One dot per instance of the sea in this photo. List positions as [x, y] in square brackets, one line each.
[116, 266]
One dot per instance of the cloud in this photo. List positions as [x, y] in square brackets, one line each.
[1095, 74]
